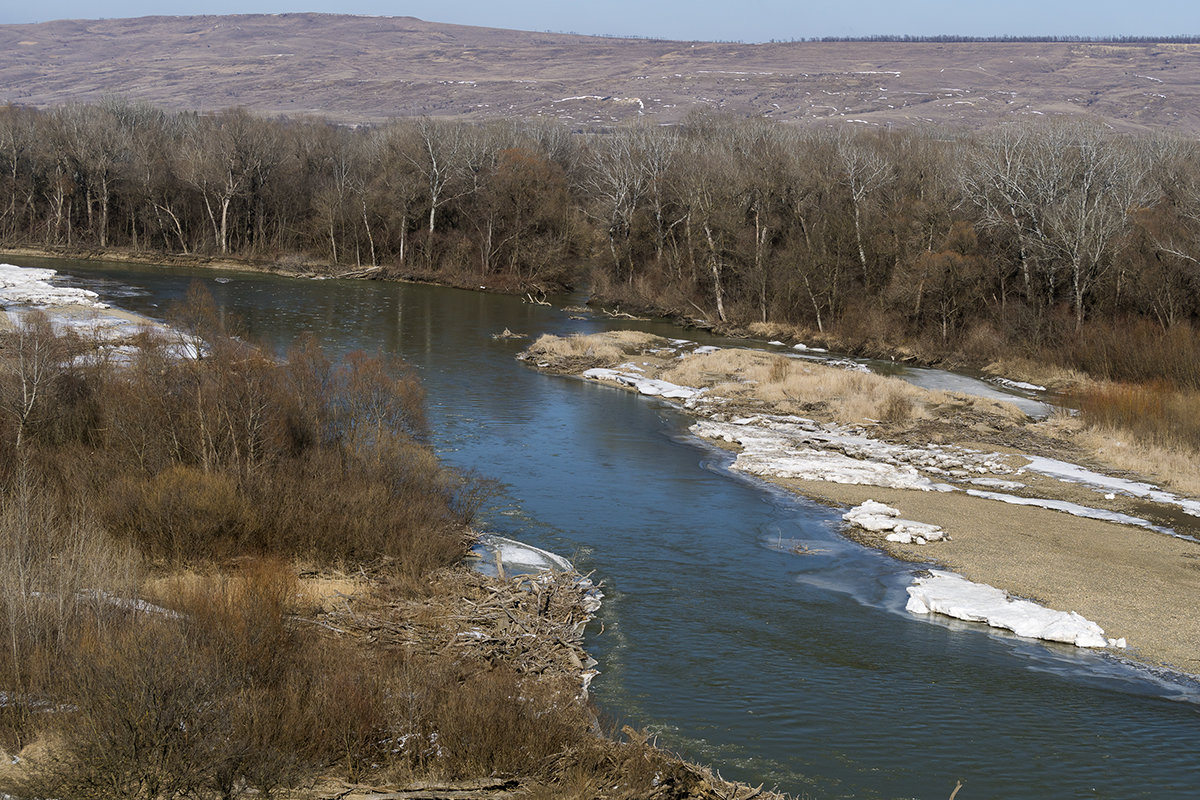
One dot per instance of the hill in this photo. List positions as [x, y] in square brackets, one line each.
[361, 69]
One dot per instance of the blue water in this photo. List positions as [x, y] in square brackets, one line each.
[798, 671]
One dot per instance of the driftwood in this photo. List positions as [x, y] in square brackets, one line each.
[532, 623]
[617, 313]
[359, 273]
[486, 789]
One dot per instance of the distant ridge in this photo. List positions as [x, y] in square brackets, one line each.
[364, 69]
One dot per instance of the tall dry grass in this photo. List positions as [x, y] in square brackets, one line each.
[1136, 352]
[578, 351]
[1152, 429]
[802, 387]
[58, 570]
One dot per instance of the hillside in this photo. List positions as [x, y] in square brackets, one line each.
[361, 69]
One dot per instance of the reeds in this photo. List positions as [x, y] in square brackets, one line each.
[1154, 413]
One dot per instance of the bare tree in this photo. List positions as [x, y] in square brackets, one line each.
[864, 172]
[617, 178]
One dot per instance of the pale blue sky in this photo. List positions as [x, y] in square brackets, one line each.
[746, 20]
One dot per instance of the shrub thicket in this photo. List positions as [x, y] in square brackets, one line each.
[235, 465]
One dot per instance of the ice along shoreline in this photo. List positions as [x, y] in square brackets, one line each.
[1072, 542]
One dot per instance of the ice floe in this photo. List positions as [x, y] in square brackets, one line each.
[954, 596]
[646, 386]
[880, 518]
[1011, 384]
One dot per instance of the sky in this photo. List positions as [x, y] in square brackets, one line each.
[732, 20]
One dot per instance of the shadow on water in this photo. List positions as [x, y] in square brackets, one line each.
[797, 670]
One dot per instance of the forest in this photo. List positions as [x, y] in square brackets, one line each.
[1052, 239]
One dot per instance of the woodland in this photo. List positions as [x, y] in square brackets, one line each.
[1054, 237]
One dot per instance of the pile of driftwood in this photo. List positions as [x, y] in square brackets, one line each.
[532, 623]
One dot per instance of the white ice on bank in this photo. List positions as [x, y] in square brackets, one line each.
[1011, 384]
[29, 286]
[646, 386]
[954, 596]
[1075, 509]
[78, 312]
[878, 518]
[776, 454]
[998, 483]
[1073, 473]
[795, 447]
[519, 558]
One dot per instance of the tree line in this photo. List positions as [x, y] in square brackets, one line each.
[1027, 233]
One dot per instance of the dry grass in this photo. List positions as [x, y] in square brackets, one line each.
[1040, 372]
[1152, 430]
[1173, 468]
[770, 381]
[796, 386]
[573, 353]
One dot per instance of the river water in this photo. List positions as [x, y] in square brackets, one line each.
[801, 671]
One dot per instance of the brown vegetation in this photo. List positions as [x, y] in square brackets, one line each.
[1060, 242]
[754, 380]
[159, 641]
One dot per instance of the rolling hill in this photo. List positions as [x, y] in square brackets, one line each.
[363, 69]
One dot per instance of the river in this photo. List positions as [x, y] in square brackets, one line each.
[801, 671]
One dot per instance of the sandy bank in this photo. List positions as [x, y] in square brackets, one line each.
[926, 450]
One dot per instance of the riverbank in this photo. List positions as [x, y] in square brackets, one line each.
[459, 646]
[1020, 512]
[294, 266]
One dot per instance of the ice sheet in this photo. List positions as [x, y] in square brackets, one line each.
[1066, 471]
[29, 286]
[1075, 509]
[954, 596]
[646, 386]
